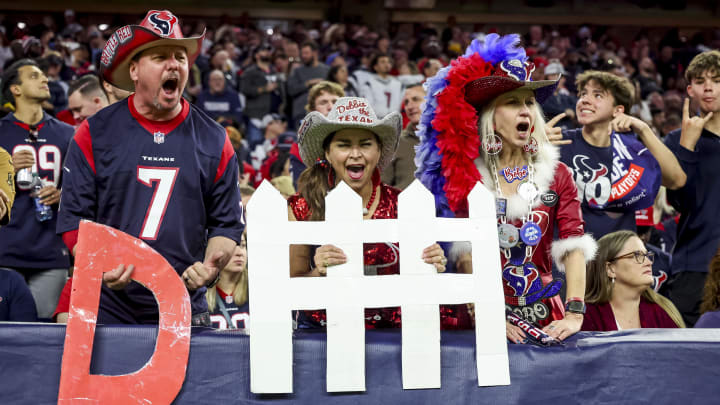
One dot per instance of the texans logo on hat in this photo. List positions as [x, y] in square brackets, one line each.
[158, 28]
[162, 21]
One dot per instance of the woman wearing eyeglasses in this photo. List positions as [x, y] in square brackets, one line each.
[619, 292]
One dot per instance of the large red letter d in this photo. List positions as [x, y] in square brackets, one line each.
[101, 248]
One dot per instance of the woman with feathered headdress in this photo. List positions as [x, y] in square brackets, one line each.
[483, 122]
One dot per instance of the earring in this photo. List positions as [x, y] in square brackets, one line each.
[531, 147]
[612, 280]
[494, 146]
[331, 178]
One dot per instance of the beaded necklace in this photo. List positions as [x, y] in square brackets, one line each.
[375, 184]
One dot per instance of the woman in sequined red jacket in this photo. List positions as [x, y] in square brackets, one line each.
[352, 145]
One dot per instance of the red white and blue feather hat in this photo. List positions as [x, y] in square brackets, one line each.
[159, 28]
[448, 128]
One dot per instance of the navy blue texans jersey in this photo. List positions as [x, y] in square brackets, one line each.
[172, 184]
[26, 242]
[239, 315]
[594, 175]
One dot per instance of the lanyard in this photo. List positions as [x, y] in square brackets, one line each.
[525, 218]
[223, 309]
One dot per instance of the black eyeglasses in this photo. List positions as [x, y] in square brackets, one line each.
[638, 255]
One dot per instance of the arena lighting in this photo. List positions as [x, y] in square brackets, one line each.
[103, 27]
[21, 25]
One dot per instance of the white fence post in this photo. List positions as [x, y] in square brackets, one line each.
[493, 364]
[346, 319]
[271, 336]
[420, 322]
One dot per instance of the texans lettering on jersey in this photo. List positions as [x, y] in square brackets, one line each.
[173, 194]
[27, 242]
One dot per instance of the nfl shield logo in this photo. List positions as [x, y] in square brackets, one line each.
[159, 137]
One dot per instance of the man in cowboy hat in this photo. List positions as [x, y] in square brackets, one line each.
[155, 167]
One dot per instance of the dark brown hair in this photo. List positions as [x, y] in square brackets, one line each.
[619, 87]
[704, 62]
[711, 292]
[314, 184]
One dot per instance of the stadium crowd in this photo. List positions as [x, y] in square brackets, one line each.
[649, 93]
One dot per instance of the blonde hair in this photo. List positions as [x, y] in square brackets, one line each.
[239, 293]
[486, 127]
[284, 185]
[235, 136]
[599, 288]
[323, 86]
[661, 205]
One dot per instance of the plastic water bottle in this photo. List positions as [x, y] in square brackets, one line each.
[42, 212]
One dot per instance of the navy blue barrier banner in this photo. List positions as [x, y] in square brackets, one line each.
[644, 366]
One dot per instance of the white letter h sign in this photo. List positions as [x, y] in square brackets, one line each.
[346, 291]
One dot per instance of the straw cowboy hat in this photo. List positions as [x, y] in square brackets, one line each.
[159, 28]
[348, 112]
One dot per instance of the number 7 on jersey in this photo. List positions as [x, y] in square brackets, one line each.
[165, 179]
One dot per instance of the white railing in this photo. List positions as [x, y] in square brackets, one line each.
[346, 291]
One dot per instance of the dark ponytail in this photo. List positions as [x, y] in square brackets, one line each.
[314, 184]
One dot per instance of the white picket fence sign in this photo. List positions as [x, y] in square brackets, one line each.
[346, 291]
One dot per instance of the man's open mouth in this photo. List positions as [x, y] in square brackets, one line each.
[170, 85]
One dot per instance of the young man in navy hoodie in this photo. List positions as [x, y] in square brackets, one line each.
[697, 147]
[608, 155]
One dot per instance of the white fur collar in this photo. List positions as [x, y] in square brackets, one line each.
[545, 164]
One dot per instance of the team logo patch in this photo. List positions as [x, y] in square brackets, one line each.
[549, 199]
[163, 22]
[522, 279]
[659, 280]
[516, 69]
[159, 137]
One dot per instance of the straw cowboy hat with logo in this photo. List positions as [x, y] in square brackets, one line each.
[348, 112]
[159, 28]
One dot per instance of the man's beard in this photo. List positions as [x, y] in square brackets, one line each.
[158, 105]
